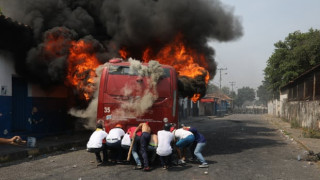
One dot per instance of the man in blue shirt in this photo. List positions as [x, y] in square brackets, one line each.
[200, 143]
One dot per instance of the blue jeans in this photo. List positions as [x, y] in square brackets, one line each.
[198, 150]
[182, 143]
[134, 152]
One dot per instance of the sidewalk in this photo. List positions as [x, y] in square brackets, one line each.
[295, 134]
[71, 141]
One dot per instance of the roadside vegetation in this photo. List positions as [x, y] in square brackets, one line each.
[310, 133]
[298, 53]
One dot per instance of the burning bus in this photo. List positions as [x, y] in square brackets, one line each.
[133, 92]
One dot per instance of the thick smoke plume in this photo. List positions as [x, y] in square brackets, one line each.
[42, 47]
[133, 24]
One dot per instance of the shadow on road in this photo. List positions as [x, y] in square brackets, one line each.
[228, 136]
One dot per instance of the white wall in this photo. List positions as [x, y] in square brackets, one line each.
[274, 108]
[283, 99]
[6, 72]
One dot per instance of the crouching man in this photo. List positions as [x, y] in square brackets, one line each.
[95, 144]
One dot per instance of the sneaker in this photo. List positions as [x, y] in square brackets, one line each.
[180, 162]
[113, 162]
[165, 167]
[137, 167]
[102, 164]
[147, 168]
[174, 163]
[203, 165]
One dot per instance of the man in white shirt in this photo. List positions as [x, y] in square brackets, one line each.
[96, 145]
[164, 149]
[183, 139]
[114, 143]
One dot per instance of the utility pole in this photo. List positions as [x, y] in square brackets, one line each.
[232, 84]
[221, 69]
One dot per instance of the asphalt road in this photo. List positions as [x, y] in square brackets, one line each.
[238, 147]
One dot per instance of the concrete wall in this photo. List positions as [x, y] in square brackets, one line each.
[283, 99]
[302, 113]
[298, 113]
[274, 108]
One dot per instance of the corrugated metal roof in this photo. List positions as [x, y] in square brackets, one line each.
[221, 96]
[303, 75]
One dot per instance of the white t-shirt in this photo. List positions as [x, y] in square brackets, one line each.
[181, 133]
[96, 138]
[115, 135]
[164, 140]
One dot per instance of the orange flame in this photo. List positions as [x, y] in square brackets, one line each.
[123, 53]
[146, 55]
[195, 98]
[185, 60]
[81, 68]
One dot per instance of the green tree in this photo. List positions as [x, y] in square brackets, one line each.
[212, 88]
[233, 95]
[263, 93]
[226, 90]
[244, 94]
[291, 57]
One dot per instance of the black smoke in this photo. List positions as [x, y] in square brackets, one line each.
[114, 24]
[16, 38]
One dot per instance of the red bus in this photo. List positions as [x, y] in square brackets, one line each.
[116, 80]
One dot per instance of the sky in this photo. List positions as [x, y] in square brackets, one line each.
[264, 22]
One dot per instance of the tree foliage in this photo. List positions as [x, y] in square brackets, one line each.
[291, 57]
[263, 93]
[244, 94]
[212, 88]
[226, 90]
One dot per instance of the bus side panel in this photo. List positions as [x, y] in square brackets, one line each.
[100, 110]
[175, 97]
